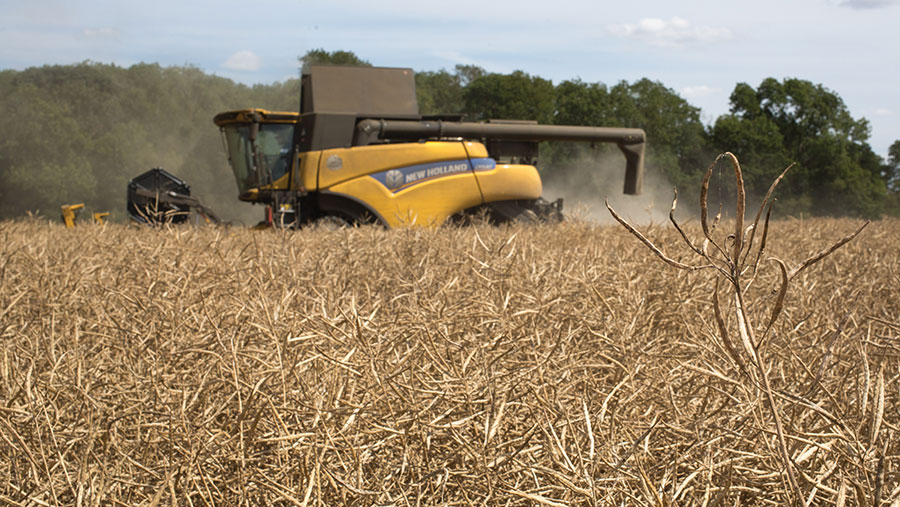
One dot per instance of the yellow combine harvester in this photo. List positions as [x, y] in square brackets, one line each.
[359, 151]
[69, 212]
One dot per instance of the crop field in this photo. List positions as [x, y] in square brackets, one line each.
[514, 365]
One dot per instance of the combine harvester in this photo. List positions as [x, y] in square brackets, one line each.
[69, 212]
[359, 152]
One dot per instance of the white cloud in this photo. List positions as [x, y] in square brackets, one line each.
[867, 4]
[243, 60]
[675, 32]
[104, 32]
[883, 112]
[693, 92]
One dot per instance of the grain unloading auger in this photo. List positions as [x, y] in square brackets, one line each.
[359, 151]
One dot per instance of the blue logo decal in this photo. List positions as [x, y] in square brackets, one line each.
[404, 177]
[483, 164]
[393, 179]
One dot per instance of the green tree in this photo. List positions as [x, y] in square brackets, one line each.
[891, 176]
[81, 132]
[442, 92]
[890, 173]
[515, 96]
[468, 73]
[439, 92]
[43, 157]
[795, 120]
[563, 163]
[676, 138]
[580, 103]
[323, 57]
[759, 145]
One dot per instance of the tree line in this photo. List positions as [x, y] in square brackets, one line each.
[79, 133]
[779, 123]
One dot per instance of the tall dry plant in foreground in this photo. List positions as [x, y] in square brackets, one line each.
[735, 261]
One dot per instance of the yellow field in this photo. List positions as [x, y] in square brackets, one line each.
[526, 365]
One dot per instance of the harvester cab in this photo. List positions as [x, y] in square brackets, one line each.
[359, 151]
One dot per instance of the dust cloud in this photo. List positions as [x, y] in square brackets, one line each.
[585, 180]
[229, 209]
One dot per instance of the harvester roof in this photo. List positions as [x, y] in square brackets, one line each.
[373, 92]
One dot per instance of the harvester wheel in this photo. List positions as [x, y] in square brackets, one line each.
[331, 222]
[548, 211]
[526, 211]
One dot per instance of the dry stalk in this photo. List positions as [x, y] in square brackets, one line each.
[731, 263]
[456, 366]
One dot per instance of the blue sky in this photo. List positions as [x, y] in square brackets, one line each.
[699, 48]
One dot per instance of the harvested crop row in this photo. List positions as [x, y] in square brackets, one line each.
[504, 365]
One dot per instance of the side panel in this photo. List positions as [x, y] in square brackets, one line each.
[342, 164]
[476, 150]
[406, 184]
[428, 203]
[431, 202]
[369, 192]
[307, 170]
[508, 181]
[503, 182]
